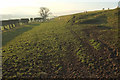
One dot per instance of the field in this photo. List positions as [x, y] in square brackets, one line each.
[83, 45]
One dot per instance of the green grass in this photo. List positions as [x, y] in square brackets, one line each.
[68, 47]
[95, 44]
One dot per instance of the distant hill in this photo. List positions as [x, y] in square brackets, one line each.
[10, 16]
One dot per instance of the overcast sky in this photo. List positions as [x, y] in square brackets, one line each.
[57, 7]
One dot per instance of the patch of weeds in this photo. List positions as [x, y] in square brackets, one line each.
[95, 44]
[82, 56]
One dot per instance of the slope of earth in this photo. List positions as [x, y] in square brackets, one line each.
[76, 46]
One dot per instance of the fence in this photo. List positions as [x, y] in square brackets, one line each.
[9, 24]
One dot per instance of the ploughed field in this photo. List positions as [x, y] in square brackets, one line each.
[83, 45]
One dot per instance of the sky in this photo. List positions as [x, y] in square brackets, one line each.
[57, 7]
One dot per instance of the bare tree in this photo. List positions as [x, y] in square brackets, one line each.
[44, 12]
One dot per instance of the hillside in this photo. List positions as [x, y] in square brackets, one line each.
[83, 45]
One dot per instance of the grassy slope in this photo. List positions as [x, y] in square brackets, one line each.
[80, 45]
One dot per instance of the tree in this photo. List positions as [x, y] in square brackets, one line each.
[44, 12]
